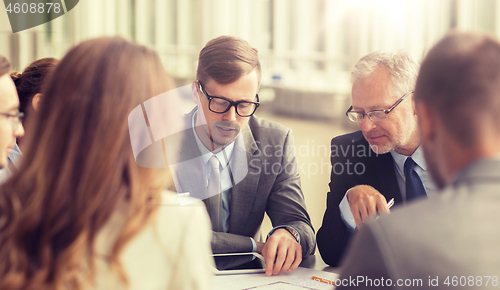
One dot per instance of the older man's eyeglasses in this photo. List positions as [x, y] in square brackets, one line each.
[14, 119]
[375, 115]
[221, 105]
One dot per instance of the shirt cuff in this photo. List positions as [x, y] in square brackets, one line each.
[346, 214]
[282, 227]
[254, 245]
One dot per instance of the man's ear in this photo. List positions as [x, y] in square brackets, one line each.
[35, 101]
[427, 121]
[194, 92]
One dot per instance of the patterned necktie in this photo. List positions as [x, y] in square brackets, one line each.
[215, 197]
[414, 187]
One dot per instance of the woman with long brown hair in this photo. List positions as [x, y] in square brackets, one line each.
[80, 213]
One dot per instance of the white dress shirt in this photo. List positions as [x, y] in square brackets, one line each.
[13, 160]
[224, 156]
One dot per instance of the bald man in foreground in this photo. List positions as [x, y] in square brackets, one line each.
[452, 239]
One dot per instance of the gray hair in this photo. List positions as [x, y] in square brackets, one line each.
[402, 67]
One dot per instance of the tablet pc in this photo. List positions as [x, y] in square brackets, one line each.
[239, 263]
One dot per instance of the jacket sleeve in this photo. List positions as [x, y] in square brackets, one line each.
[286, 205]
[230, 243]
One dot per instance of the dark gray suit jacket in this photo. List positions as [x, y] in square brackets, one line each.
[453, 234]
[266, 180]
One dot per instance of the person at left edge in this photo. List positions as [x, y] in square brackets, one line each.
[29, 87]
[10, 118]
[256, 169]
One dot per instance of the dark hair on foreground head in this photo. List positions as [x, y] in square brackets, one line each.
[79, 167]
[225, 59]
[30, 81]
[4, 65]
[460, 79]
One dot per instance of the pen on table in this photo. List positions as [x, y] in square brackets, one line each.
[323, 280]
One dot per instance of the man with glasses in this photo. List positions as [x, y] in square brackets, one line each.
[454, 238]
[10, 118]
[242, 166]
[381, 162]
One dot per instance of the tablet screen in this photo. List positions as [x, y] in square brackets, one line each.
[240, 262]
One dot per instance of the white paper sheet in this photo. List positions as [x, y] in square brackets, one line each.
[299, 279]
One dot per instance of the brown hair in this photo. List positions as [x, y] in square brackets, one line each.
[30, 81]
[460, 79]
[225, 59]
[76, 171]
[4, 65]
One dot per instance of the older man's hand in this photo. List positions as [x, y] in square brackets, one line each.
[366, 203]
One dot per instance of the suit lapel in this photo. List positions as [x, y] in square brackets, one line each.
[386, 175]
[185, 162]
[244, 192]
[189, 174]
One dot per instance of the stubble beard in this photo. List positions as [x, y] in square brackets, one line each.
[396, 141]
[221, 144]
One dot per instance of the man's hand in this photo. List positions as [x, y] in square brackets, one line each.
[365, 203]
[281, 252]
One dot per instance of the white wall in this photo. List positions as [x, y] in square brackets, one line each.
[310, 44]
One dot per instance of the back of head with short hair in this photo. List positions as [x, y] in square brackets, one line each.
[402, 67]
[4, 65]
[30, 81]
[460, 79]
[225, 59]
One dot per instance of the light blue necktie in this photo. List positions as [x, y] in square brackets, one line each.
[215, 199]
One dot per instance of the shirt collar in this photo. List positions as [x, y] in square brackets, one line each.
[417, 156]
[224, 155]
[15, 155]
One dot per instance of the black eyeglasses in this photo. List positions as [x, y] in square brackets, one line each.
[375, 115]
[15, 119]
[221, 105]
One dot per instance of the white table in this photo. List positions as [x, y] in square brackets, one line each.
[300, 278]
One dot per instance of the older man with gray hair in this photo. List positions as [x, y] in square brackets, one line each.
[453, 239]
[381, 162]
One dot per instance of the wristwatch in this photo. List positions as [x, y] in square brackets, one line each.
[293, 233]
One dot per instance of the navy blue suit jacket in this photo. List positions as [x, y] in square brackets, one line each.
[353, 163]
